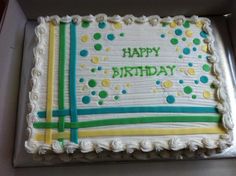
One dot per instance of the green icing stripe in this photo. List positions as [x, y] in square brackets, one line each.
[134, 120]
[61, 83]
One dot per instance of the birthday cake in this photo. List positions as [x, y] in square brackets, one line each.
[126, 84]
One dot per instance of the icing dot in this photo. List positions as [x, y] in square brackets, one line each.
[84, 38]
[92, 83]
[180, 56]
[117, 25]
[103, 94]
[174, 41]
[186, 51]
[117, 87]
[106, 72]
[98, 46]
[178, 32]
[93, 70]
[173, 24]
[186, 24]
[199, 56]
[100, 102]
[196, 81]
[206, 94]
[86, 99]
[191, 71]
[101, 25]
[204, 48]
[82, 65]
[204, 79]
[85, 24]
[108, 49]
[212, 86]
[93, 92]
[203, 34]
[181, 81]
[199, 24]
[110, 37]
[123, 91]
[162, 35]
[188, 90]
[177, 49]
[184, 39]
[194, 96]
[206, 67]
[190, 64]
[81, 80]
[170, 99]
[106, 83]
[181, 69]
[158, 82]
[122, 34]
[105, 58]
[194, 49]
[99, 68]
[168, 84]
[116, 97]
[84, 53]
[189, 33]
[95, 60]
[196, 41]
[97, 36]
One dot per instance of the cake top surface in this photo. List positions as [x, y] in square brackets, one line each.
[125, 82]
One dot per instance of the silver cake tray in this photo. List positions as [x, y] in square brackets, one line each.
[23, 159]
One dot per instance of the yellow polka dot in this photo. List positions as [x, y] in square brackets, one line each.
[128, 85]
[106, 83]
[82, 65]
[206, 94]
[181, 69]
[108, 49]
[117, 87]
[95, 60]
[167, 84]
[105, 58]
[189, 33]
[173, 24]
[191, 71]
[204, 48]
[179, 93]
[154, 90]
[84, 38]
[177, 49]
[170, 32]
[106, 71]
[190, 44]
[84, 88]
[199, 24]
[117, 25]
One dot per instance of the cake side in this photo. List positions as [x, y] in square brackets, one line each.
[116, 125]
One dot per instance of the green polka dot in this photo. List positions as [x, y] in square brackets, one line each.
[93, 70]
[164, 24]
[85, 24]
[188, 90]
[86, 99]
[196, 41]
[100, 102]
[103, 94]
[97, 36]
[122, 34]
[184, 39]
[116, 97]
[199, 56]
[186, 24]
[174, 41]
[98, 46]
[180, 56]
[194, 96]
[212, 86]
[92, 83]
[206, 67]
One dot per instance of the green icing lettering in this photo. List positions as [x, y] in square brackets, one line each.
[142, 51]
[126, 52]
[135, 53]
[162, 71]
[116, 72]
[156, 50]
[149, 51]
[171, 68]
[128, 71]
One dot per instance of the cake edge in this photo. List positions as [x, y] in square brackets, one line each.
[118, 145]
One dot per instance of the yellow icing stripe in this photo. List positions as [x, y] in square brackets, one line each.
[51, 58]
[136, 132]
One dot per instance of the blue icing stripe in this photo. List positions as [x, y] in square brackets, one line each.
[111, 110]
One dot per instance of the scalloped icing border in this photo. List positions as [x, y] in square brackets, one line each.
[117, 145]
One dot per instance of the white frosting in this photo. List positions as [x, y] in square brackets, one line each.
[123, 144]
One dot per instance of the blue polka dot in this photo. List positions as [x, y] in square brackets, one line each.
[110, 37]
[170, 99]
[196, 81]
[158, 82]
[186, 51]
[99, 68]
[162, 35]
[102, 25]
[181, 81]
[93, 92]
[86, 99]
[124, 91]
[81, 80]
[203, 34]
[84, 53]
[178, 32]
[190, 64]
[204, 79]
[194, 49]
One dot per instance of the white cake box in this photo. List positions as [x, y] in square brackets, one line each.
[17, 41]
